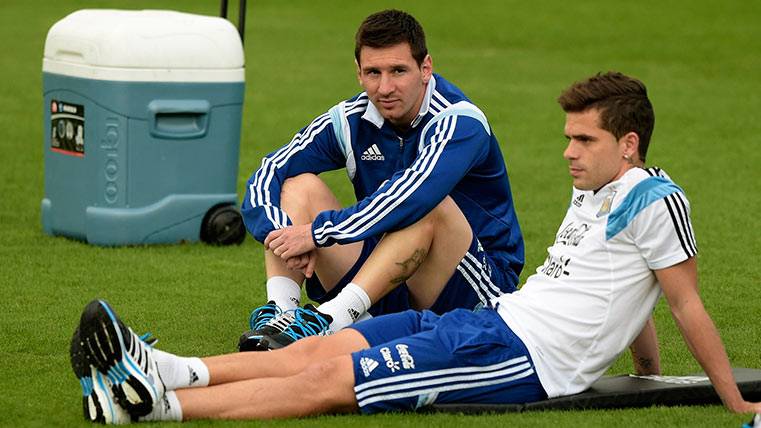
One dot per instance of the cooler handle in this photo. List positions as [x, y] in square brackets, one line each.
[241, 16]
[178, 119]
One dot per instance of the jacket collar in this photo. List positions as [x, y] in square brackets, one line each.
[373, 116]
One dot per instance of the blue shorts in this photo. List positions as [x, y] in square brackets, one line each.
[477, 279]
[417, 359]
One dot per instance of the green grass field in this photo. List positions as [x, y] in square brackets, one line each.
[700, 60]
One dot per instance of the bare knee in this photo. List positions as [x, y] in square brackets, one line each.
[298, 188]
[441, 214]
[305, 195]
[328, 385]
[301, 353]
[444, 210]
[322, 348]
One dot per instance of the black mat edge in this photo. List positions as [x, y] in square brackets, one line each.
[615, 392]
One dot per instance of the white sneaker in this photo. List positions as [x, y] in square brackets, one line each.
[123, 360]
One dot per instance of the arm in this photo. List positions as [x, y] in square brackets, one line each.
[644, 349]
[449, 151]
[314, 149]
[680, 286]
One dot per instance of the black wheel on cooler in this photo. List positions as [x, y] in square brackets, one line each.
[223, 225]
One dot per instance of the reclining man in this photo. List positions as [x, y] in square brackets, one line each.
[420, 156]
[625, 239]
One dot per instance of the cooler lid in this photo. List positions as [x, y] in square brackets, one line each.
[135, 45]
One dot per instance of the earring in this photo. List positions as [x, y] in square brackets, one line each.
[628, 158]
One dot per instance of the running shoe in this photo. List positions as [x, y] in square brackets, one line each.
[262, 321]
[122, 358]
[307, 321]
[98, 404]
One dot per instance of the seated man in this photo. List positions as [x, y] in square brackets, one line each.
[626, 238]
[419, 155]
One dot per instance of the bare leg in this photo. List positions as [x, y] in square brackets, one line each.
[424, 254]
[303, 197]
[283, 362]
[322, 387]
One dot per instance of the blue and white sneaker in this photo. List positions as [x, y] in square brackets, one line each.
[123, 359]
[307, 321]
[98, 404]
[264, 320]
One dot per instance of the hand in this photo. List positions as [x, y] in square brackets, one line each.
[745, 407]
[303, 263]
[291, 241]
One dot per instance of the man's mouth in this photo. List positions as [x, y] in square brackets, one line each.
[387, 103]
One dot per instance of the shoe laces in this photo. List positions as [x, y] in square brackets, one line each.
[263, 314]
[282, 321]
[148, 339]
[307, 322]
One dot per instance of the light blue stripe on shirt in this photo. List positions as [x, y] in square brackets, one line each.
[640, 197]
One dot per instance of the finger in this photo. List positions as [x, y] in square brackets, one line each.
[312, 260]
[291, 250]
[287, 254]
[304, 260]
[277, 241]
[279, 250]
[301, 261]
[271, 236]
[293, 263]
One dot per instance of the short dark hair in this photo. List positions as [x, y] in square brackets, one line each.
[621, 100]
[389, 28]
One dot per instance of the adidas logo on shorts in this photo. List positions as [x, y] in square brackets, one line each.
[373, 154]
[368, 365]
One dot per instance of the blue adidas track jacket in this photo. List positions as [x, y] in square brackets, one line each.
[397, 179]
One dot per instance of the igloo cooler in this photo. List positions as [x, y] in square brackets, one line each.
[142, 118]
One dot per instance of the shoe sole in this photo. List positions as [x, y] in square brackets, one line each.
[106, 348]
[102, 407]
[92, 410]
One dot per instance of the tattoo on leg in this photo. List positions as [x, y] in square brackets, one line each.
[409, 266]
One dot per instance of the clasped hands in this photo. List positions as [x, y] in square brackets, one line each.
[295, 246]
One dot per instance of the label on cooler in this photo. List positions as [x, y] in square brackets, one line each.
[67, 128]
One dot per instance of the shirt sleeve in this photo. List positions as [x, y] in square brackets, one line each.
[448, 150]
[314, 149]
[663, 232]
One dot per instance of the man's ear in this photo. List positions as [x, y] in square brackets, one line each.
[427, 68]
[630, 147]
[359, 72]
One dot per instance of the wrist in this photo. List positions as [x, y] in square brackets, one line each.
[310, 231]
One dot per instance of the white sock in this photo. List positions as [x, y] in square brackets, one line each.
[363, 317]
[168, 408]
[350, 304]
[181, 372]
[284, 291]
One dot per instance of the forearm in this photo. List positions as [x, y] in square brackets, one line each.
[645, 352]
[704, 342]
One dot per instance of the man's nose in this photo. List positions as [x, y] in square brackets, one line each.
[386, 84]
